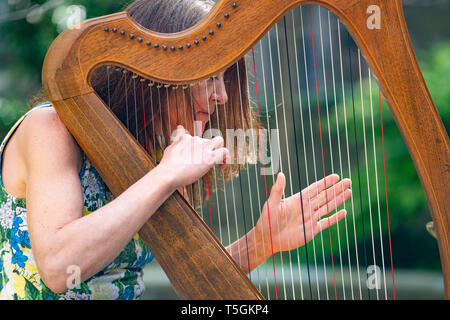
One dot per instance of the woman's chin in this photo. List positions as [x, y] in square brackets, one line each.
[199, 126]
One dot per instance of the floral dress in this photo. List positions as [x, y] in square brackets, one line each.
[19, 277]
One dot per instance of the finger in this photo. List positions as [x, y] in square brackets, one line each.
[276, 193]
[330, 193]
[178, 134]
[330, 221]
[317, 187]
[226, 160]
[219, 156]
[216, 142]
[334, 203]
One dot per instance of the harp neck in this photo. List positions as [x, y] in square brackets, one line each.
[215, 43]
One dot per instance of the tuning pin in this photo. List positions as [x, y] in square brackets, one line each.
[159, 85]
[151, 83]
[175, 87]
[185, 86]
[134, 76]
[167, 86]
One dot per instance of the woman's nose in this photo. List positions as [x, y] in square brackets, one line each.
[219, 95]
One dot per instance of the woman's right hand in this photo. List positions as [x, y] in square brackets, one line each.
[189, 158]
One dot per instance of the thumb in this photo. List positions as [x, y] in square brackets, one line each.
[178, 134]
[276, 194]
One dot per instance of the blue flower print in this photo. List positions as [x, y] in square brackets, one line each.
[19, 259]
[19, 238]
[128, 293]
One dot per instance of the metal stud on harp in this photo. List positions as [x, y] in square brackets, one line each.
[314, 112]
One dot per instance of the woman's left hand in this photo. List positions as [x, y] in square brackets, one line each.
[284, 223]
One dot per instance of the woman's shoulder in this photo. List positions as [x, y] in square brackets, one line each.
[43, 136]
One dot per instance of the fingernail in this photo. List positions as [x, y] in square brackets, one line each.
[279, 181]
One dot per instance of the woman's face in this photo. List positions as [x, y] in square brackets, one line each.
[207, 95]
[204, 97]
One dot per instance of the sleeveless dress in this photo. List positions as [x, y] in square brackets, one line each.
[19, 277]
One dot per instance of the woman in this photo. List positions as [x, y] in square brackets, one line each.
[63, 236]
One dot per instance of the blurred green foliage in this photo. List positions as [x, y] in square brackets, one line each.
[23, 46]
[408, 208]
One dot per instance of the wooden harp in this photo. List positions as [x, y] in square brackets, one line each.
[196, 263]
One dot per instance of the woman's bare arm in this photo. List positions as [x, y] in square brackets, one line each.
[60, 236]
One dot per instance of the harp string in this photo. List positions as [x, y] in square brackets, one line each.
[340, 166]
[168, 110]
[291, 91]
[240, 175]
[225, 197]
[176, 105]
[269, 138]
[233, 192]
[207, 176]
[144, 117]
[376, 183]
[199, 186]
[223, 178]
[314, 161]
[150, 85]
[109, 84]
[287, 147]
[304, 148]
[134, 76]
[321, 142]
[214, 168]
[233, 198]
[202, 134]
[330, 143]
[251, 72]
[355, 135]
[387, 201]
[265, 180]
[348, 165]
[258, 209]
[367, 166]
[277, 125]
[255, 167]
[248, 173]
[186, 110]
[330, 149]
